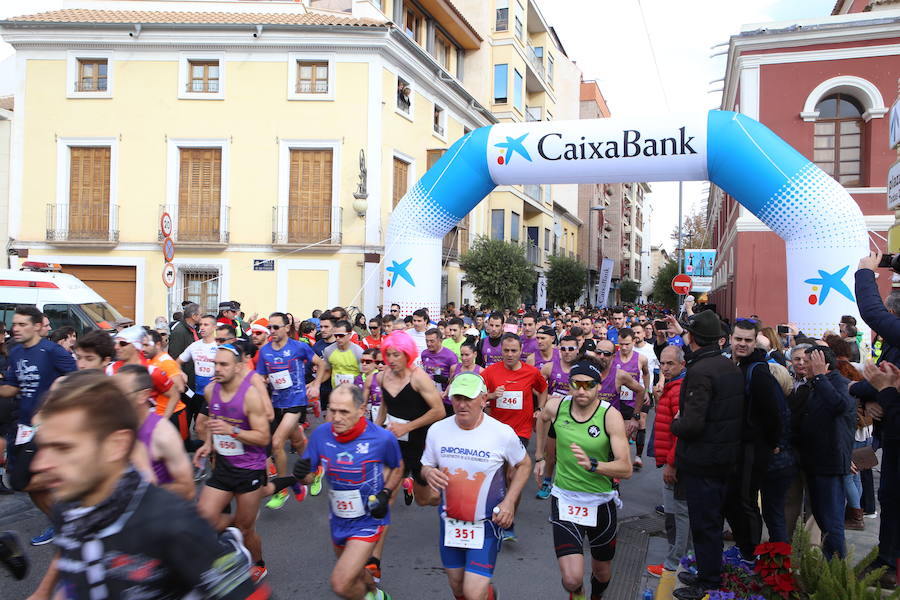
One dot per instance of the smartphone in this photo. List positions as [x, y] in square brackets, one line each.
[783, 330]
[660, 325]
[885, 262]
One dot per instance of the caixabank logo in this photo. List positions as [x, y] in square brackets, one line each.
[512, 146]
[631, 144]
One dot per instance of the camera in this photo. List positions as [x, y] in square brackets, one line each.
[783, 330]
[890, 261]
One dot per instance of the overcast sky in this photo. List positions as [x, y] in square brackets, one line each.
[609, 41]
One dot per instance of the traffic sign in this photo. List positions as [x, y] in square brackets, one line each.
[681, 284]
[165, 224]
[168, 249]
[893, 186]
[168, 274]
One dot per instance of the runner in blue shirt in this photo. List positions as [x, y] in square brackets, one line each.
[284, 363]
[363, 466]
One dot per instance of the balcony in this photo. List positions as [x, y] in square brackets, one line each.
[626, 228]
[315, 227]
[536, 76]
[626, 253]
[75, 225]
[534, 191]
[533, 254]
[534, 113]
[199, 226]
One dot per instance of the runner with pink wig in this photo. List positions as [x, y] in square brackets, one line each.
[410, 404]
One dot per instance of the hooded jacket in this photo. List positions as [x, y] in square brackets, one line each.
[666, 408]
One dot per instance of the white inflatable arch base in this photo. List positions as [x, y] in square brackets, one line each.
[823, 228]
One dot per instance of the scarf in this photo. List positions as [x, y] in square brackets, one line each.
[352, 433]
[81, 522]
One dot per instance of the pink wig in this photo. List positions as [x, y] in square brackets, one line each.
[400, 340]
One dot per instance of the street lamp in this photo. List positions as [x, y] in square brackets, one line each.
[600, 210]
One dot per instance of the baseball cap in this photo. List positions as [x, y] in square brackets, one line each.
[226, 306]
[585, 367]
[547, 330]
[469, 385]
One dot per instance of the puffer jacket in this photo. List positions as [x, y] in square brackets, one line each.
[712, 408]
[666, 408]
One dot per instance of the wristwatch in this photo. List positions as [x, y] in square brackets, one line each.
[593, 468]
[235, 431]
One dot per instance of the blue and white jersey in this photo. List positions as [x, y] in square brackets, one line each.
[354, 469]
[285, 370]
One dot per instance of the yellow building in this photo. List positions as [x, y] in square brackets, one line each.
[277, 135]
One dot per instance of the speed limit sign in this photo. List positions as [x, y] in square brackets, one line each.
[165, 224]
[168, 275]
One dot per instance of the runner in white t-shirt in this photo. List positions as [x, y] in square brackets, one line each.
[466, 458]
[203, 353]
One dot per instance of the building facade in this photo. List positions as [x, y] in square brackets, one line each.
[820, 84]
[278, 136]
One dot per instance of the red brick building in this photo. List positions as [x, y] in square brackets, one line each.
[825, 86]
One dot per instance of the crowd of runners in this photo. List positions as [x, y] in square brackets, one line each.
[153, 450]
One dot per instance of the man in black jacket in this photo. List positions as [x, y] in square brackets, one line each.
[759, 437]
[708, 428]
[184, 333]
[827, 424]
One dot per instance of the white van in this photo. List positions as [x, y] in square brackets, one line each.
[64, 298]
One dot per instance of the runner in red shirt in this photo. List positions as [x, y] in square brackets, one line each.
[512, 385]
[374, 340]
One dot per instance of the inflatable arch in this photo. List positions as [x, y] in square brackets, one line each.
[822, 226]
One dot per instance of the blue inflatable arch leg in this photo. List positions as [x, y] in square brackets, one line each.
[821, 225]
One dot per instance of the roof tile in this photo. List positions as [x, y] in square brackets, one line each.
[79, 15]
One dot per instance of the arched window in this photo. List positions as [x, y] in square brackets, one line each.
[838, 138]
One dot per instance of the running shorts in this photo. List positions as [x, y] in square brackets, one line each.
[364, 528]
[280, 412]
[568, 537]
[228, 478]
[412, 460]
[480, 561]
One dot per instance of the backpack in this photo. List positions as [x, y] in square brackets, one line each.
[784, 458]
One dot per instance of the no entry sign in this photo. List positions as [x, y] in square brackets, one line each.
[681, 284]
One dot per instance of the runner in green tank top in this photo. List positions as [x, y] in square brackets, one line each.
[591, 450]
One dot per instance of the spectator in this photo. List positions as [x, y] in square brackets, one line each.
[827, 423]
[708, 429]
[65, 337]
[769, 341]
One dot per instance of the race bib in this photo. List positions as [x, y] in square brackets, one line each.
[405, 436]
[340, 378]
[625, 394]
[204, 368]
[24, 434]
[347, 504]
[463, 534]
[510, 401]
[226, 445]
[281, 380]
[580, 515]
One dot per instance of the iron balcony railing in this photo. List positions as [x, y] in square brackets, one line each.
[78, 223]
[198, 224]
[307, 225]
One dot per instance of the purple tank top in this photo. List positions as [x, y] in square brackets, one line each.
[608, 391]
[529, 347]
[559, 379]
[539, 358]
[145, 435]
[458, 369]
[633, 366]
[491, 354]
[234, 451]
[374, 389]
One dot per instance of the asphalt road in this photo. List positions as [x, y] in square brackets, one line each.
[298, 551]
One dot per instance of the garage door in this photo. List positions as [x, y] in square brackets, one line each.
[115, 284]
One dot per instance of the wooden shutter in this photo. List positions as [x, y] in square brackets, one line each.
[401, 180]
[309, 197]
[199, 194]
[89, 173]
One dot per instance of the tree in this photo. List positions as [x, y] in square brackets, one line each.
[499, 272]
[662, 285]
[630, 291]
[566, 279]
[693, 232]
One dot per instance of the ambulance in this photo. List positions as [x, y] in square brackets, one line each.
[64, 298]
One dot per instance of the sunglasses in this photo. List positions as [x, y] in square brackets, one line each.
[747, 320]
[275, 327]
[568, 348]
[221, 341]
[395, 311]
[605, 352]
[374, 326]
[367, 362]
[122, 343]
[340, 335]
[583, 385]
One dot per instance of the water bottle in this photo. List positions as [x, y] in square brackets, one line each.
[647, 595]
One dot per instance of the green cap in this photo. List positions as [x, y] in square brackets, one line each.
[469, 385]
